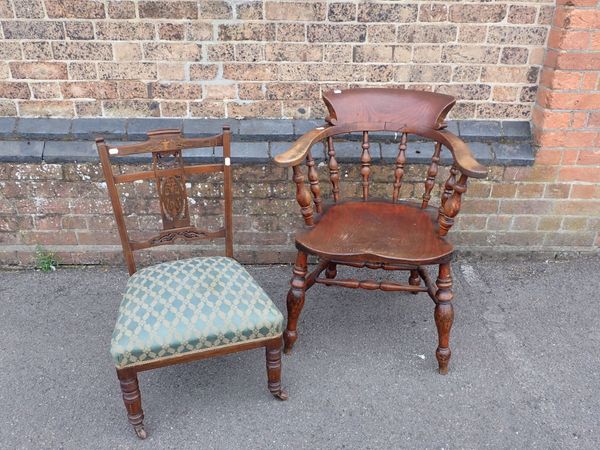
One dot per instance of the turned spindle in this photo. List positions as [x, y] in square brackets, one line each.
[431, 174]
[399, 172]
[365, 165]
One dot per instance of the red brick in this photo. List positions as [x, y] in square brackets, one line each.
[548, 157]
[54, 237]
[568, 40]
[568, 139]
[578, 61]
[577, 208]
[585, 191]
[587, 174]
[535, 173]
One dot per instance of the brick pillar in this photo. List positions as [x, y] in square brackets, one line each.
[566, 117]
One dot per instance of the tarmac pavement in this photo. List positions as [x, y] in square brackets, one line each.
[525, 369]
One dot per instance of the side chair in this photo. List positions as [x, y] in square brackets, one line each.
[388, 234]
[184, 310]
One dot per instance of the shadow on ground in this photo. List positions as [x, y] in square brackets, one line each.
[525, 371]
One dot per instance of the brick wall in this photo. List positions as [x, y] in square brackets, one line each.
[237, 58]
[551, 205]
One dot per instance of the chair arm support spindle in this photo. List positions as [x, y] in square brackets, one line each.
[303, 196]
[451, 206]
[313, 178]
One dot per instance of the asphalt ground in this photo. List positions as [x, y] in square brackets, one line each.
[525, 370]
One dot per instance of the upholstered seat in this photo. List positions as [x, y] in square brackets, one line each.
[189, 306]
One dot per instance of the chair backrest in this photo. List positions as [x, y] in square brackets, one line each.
[401, 111]
[170, 174]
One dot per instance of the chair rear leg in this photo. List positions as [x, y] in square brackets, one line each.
[273, 351]
[414, 279]
[444, 316]
[295, 301]
[331, 271]
[133, 400]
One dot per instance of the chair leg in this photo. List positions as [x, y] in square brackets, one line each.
[444, 315]
[295, 301]
[331, 271]
[133, 401]
[414, 279]
[273, 351]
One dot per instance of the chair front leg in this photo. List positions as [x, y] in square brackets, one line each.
[273, 351]
[295, 301]
[133, 400]
[444, 316]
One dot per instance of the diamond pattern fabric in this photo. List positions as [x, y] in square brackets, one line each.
[190, 305]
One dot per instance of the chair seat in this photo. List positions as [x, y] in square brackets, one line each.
[188, 306]
[378, 231]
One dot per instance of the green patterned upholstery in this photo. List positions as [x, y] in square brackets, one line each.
[190, 305]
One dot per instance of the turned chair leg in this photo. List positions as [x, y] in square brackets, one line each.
[295, 301]
[331, 271]
[444, 315]
[273, 352]
[133, 401]
[414, 279]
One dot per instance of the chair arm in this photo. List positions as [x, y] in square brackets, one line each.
[299, 149]
[464, 159]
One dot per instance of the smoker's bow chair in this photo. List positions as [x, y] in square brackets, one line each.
[375, 233]
[189, 309]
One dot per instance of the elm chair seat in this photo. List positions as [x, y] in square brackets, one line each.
[351, 230]
[191, 305]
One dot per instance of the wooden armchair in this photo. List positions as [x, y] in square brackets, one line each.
[190, 309]
[375, 233]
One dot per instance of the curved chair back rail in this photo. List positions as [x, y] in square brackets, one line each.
[170, 173]
[380, 105]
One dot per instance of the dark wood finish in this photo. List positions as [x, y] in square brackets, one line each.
[171, 174]
[331, 271]
[133, 401]
[399, 172]
[313, 178]
[295, 301]
[273, 352]
[334, 172]
[431, 174]
[388, 234]
[444, 316]
[303, 196]
[376, 231]
[365, 165]
[412, 108]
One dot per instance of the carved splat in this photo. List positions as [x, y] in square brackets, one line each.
[303, 196]
[313, 178]
[399, 172]
[451, 206]
[172, 192]
[334, 171]
[431, 174]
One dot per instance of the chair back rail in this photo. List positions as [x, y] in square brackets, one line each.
[171, 174]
